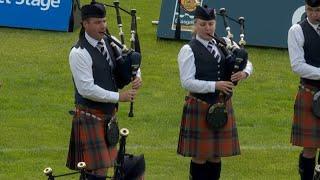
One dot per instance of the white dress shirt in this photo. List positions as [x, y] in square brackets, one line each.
[81, 67]
[296, 53]
[187, 70]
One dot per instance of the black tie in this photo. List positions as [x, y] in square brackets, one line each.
[318, 29]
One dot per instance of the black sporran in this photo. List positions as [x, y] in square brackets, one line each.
[217, 116]
[316, 104]
[111, 131]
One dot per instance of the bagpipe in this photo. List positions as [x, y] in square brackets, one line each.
[119, 167]
[236, 58]
[128, 61]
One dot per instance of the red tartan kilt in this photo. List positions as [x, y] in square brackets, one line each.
[87, 143]
[196, 139]
[305, 130]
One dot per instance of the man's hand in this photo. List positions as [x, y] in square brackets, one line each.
[238, 76]
[136, 83]
[127, 96]
[224, 86]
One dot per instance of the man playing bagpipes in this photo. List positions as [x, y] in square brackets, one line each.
[303, 46]
[96, 77]
[208, 130]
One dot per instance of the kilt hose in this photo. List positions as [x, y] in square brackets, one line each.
[305, 130]
[87, 141]
[197, 140]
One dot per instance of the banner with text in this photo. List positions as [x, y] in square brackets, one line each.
[36, 14]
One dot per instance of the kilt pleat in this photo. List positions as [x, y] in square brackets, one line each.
[305, 130]
[87, 144]
[196, 139]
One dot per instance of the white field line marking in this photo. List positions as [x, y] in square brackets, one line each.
[137, 146]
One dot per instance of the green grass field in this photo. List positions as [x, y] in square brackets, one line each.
[37, 92]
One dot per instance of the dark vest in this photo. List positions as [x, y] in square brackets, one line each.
[207, 68]
[102, 75]
[311, 49]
